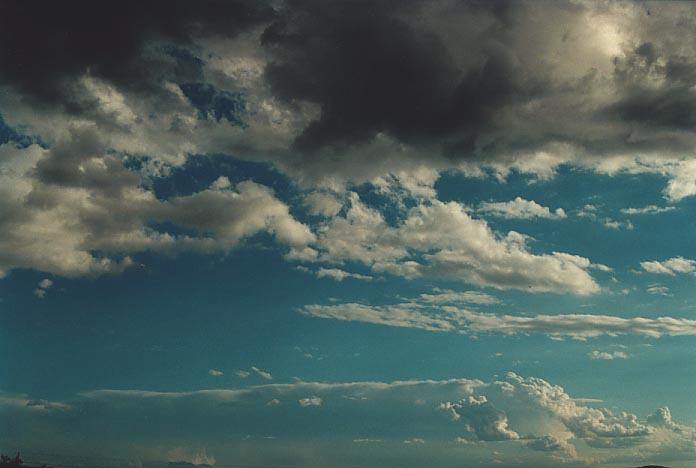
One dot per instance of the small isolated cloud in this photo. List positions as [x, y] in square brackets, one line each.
[519, 208]
[262, 373]
[366, 441]
[310, 401]
[671, 267]
[216, 373]
[273, 402]
[607, 355]
[43, 286]
[588, 211]
[242, 374]
[618, 225]
[658, 290]
[339, 275]
[648, 210]
[414, 441]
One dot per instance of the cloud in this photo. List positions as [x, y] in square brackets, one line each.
[509, 413]
[617, 225]
[322, 204]
[233, 78]
[648, 210]
[70, 56]
[546, 443]
[239, 87]
[672, 266]
[607, 355]
[242, 374]
[310, 401]
[442, 240]
[447, 318]
[215, 373]
[339, 275]
[414, 441]
[519, 208]
[481, 418]
[447, 296]
[43, 286]
[262, 373]
[67, 203]
[658, 290]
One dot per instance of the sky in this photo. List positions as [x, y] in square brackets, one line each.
[306, 233]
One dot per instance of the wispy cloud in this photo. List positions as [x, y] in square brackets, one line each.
[448, 318]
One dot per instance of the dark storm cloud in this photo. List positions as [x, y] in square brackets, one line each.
[374, 70]
[670, 104]
[45, 45]
[447, 79]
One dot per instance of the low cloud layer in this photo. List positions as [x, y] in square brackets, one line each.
[523, 417]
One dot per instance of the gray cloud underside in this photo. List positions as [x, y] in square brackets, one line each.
[350, 91]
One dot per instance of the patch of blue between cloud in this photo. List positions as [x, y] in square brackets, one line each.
[217, 104]
[394, 209]
[9, 134]
[201, 170]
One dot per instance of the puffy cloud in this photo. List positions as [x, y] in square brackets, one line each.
[672, 266]
[215, 373]
[618, 225]
[239, 86]
[43, 286]
[582, 421]
[324, 204]
[519, 208]
[75, 209]
[450, 244]
[607, 355]
[447, 318]
[547, 443]
[662, 417]
[512, 412]
[310, 401]
[481, 418]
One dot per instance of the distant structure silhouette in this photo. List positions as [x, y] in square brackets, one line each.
[7, 461]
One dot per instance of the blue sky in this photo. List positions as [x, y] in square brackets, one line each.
[318, 237]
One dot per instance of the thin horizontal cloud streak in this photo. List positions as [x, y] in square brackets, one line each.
[449, 318]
